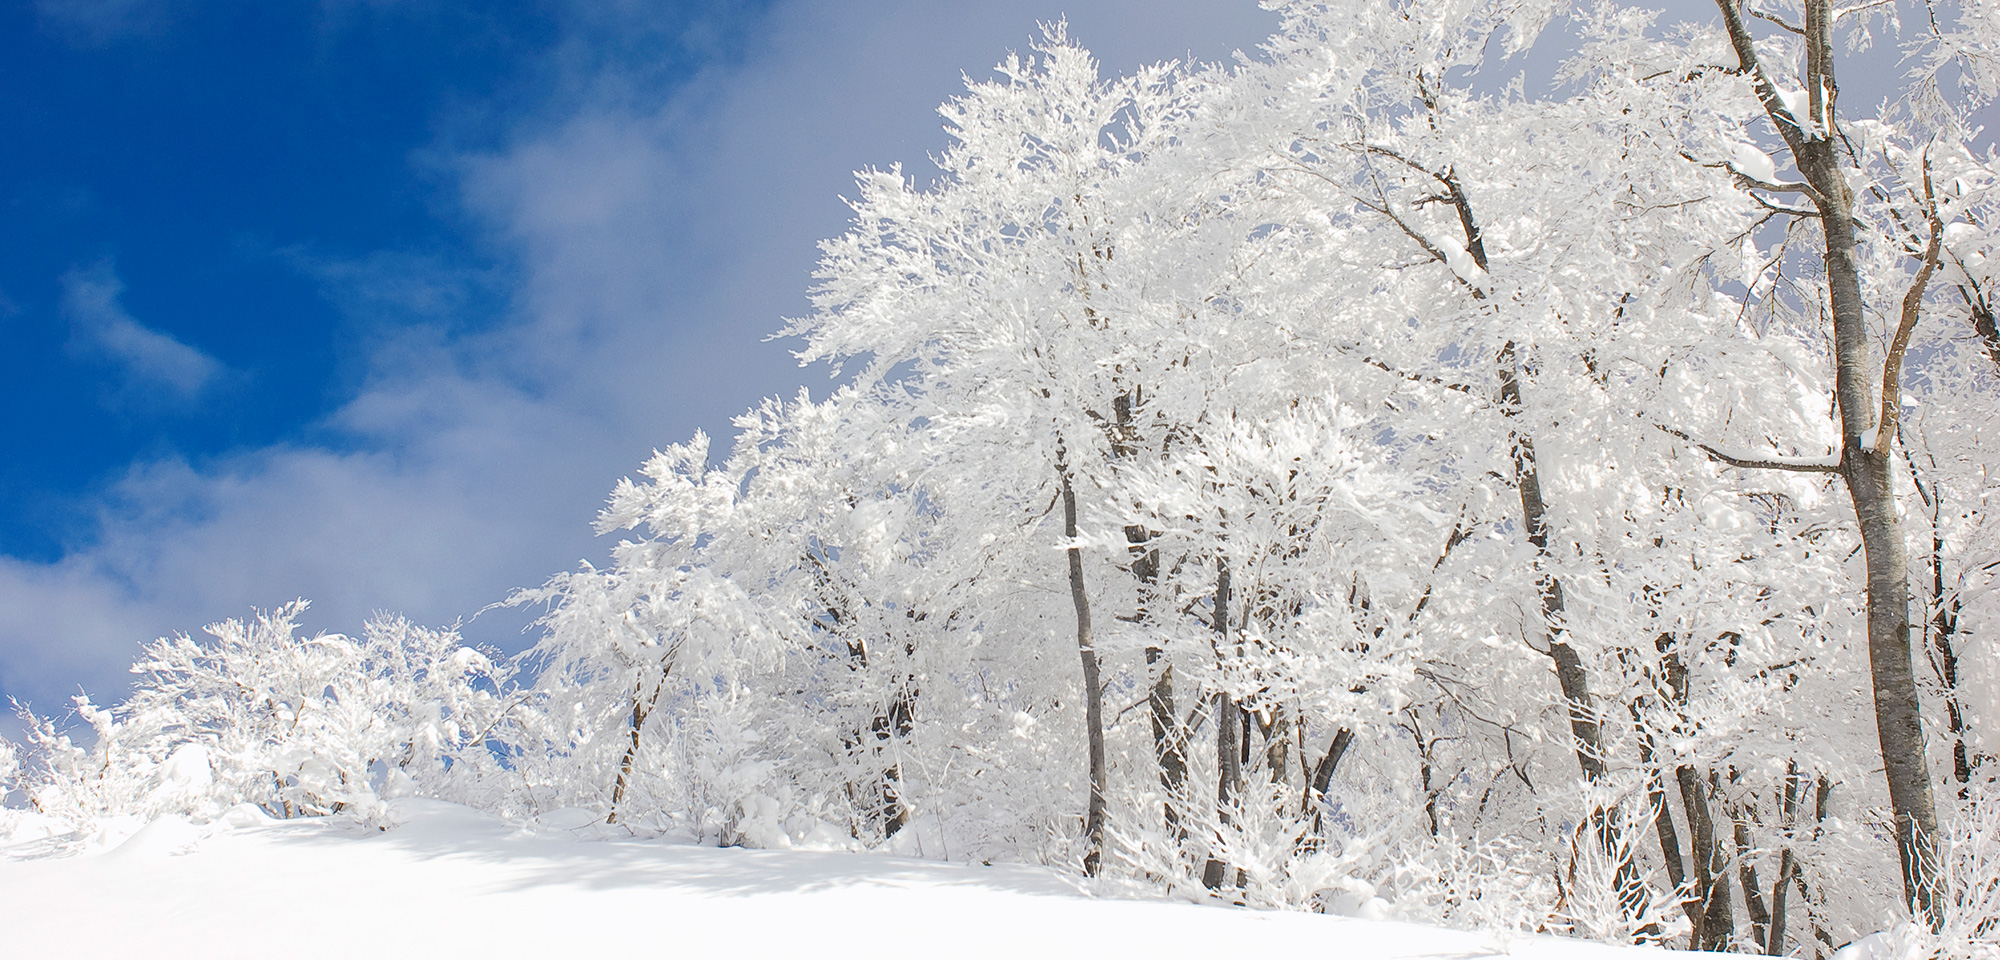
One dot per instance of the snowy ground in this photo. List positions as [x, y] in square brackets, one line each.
[452, 882]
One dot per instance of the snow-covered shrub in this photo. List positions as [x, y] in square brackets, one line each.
[10, 768]
[1969, 855]
[255, 713]
[1477, 883]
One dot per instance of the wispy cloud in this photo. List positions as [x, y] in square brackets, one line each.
[153, 366]
[651, 241]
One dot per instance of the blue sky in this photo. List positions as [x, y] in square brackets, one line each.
[183, 175]
[370, 301]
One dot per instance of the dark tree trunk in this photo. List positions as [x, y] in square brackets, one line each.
[1167, 736]
[896, 725]
[1322, 775]
[1168, 747]
[1570, 672]
[1571, 676]
[1753, 890]
[1228, 736]
[1821, 794]
[1278, 744]
[1663, 819]
[1714, 923]
[1093, 690]
[1943, 629]
[894, 721]
[1167, 742]
[1322, 781]
[1788, 813]
[642, 707]
[1425, 748]
[1700, 900]
[631, 755]
[1867, 438]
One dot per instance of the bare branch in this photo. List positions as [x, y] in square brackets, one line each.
[1417, 377]
[1752, 228]
[1783, 208]
[1789, 127]
[1892, 368]
[1392, 154]
[1821, 465]
[1422, 241]
[1694, 74]
[1774, 18]
[1783, 186]
[1459, 534]
[1750, 182]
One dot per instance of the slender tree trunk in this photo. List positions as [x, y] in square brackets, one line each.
[1746, 877]
[1943, 628]
[1663, 820]
[1322, 781]
[1168, 748]
[1167, 742]
[1866, 442]
[1822, 941]
[1424, 765]
[896, 725]
[1897, 721]
[1570, 673]
[1228, 736]
[1788, 813]
[1278, 745]
[893, 722]
[642, 706]
[1093, 690]
[631, 755]
[1711, 922]
[1714, 923]
[1322, 775]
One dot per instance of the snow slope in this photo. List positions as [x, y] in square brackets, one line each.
[453, 882]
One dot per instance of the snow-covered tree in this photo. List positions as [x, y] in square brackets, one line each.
[255, 713]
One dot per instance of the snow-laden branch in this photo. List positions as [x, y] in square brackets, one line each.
[1828, 464]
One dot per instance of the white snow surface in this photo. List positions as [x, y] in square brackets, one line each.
[450, 881]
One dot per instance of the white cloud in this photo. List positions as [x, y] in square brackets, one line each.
[658, 239]
[153, 366]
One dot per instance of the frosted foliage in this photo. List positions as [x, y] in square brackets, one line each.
[1970, 854]
[1444, 487]
[255, 713]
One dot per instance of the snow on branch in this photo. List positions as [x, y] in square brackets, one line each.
[1829, 464]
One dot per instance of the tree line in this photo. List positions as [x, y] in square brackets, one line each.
[1333, 480]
